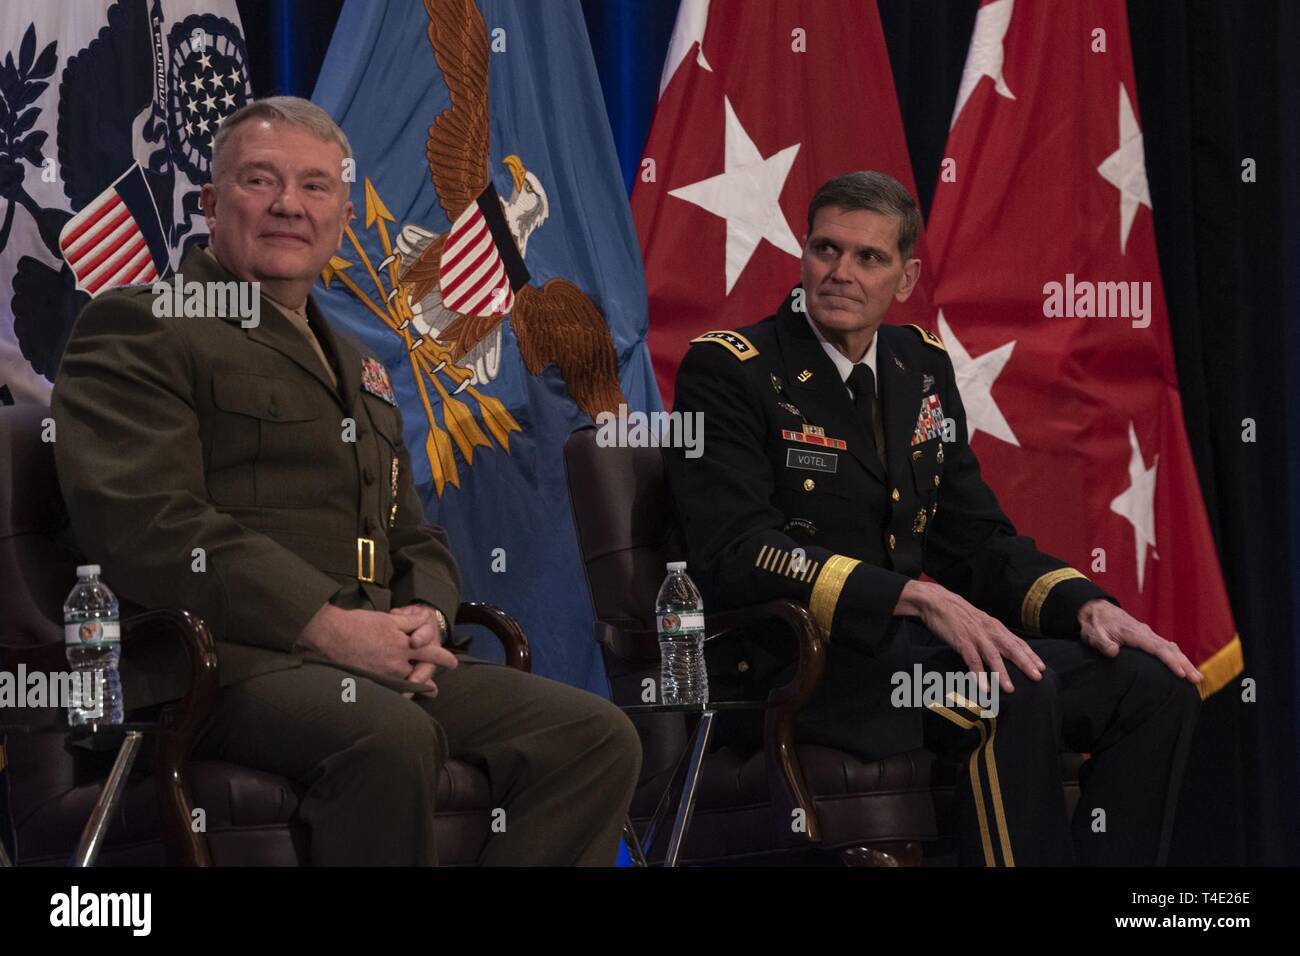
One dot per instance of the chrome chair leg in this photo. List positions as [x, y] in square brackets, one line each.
[700, 746]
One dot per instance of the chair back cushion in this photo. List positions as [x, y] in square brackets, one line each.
[37, 561]
[624, 519]
[37, 569]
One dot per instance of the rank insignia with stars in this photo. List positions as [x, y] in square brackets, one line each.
[733, 342]
[375, 380]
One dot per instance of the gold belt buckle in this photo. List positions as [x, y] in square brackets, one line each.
[364, 545]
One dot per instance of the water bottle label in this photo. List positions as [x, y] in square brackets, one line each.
[684, 622]
[91, 632]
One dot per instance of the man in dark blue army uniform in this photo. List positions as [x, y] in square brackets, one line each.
[836, 468]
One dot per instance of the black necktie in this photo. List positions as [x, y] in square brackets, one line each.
[863, 383]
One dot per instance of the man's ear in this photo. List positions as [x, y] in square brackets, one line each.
[911, 272]
[349, 213]
[208, 203]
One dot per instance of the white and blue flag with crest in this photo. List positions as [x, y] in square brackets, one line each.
[107, 113]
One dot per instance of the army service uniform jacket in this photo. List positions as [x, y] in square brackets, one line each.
[789, 499]
[215, 468]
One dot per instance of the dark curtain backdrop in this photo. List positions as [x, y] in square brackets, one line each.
[1218, 82]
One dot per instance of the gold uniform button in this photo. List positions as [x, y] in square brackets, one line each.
[809, 484]
[742, 666]
[936, 481]
[892, 541]
[895, 495]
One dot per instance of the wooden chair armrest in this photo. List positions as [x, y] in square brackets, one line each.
[506, 628]
[180, 722]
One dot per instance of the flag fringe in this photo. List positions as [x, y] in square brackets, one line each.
[1225, 664]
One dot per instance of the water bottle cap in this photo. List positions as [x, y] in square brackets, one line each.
[87, 570]
[676, 565]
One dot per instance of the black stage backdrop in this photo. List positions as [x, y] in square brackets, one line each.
[1218, 82]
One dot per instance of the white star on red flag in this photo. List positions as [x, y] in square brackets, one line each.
[975, 378]
[1126, 168]
[986, 53]
[748, 195]
[688, 33]
[1137, 503]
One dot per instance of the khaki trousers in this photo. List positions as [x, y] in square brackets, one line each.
[562, 762]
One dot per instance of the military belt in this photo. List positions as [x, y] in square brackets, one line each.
[363, 558]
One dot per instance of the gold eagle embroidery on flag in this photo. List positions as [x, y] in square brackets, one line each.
[447, 295]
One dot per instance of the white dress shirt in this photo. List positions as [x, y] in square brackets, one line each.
[842, 364]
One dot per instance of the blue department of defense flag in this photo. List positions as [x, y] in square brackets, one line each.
[494, 270]
[107, 113]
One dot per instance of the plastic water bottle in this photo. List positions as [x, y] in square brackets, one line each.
[679, 614]
[92, 638]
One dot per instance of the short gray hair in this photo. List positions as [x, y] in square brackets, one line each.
[874, 192]
[293, 110]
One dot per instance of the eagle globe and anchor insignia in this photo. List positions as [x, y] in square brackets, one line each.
[446, 295]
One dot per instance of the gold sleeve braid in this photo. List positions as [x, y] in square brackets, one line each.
[826, 592]
[1031, 608]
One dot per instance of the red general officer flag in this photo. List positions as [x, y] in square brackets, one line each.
[760, 104]
[1048, 296]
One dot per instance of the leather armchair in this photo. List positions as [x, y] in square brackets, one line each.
[864, 812]
[250, 815]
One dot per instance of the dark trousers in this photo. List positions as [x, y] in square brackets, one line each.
[1130, 713]
[562, 762]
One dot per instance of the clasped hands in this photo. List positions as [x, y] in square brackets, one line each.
[404, 643]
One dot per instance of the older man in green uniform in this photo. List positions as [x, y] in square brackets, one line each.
[251, 468]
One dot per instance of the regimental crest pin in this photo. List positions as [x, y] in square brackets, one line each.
[375, 380]
[927, 383]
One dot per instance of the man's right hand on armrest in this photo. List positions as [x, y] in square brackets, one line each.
[371, 640]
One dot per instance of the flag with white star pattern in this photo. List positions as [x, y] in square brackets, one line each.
[1046, 291]
[107, 113]
[760, 103]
